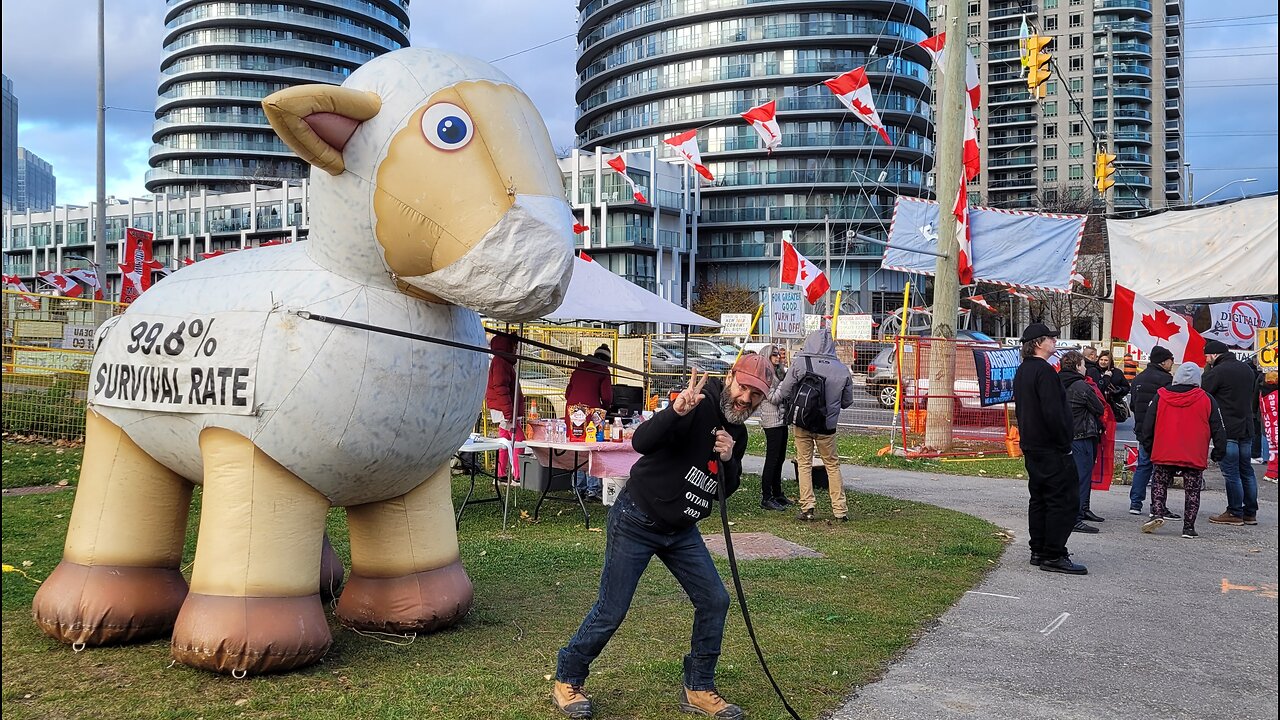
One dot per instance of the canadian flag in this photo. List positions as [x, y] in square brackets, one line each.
[89, 277]
[981, 301]
[853, 90]
[686, 143]
[13, 282]
[65, 286]
[1144, 324]
[619, 163]
[583, 254]
[936, 47]
[1081, 279]
[579, 228]
[797, 270]
[763, 118]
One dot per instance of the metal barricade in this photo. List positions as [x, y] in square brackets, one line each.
[975, 429]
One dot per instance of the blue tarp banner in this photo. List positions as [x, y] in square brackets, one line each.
[1023, 249]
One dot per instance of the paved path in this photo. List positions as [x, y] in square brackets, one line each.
[1161, 627]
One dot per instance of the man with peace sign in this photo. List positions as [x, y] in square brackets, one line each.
[686, 451]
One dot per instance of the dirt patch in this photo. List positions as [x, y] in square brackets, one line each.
[36, 489]
[760, 546]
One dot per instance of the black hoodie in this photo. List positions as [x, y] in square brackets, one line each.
[674, 481]
[1235, 386]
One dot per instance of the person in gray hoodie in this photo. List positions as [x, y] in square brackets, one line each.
[819, 357]
[774, 422]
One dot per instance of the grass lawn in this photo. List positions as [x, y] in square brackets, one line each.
[827, 625]
[32, 464]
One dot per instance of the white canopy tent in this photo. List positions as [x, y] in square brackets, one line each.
[596, 294]
[1224, 251]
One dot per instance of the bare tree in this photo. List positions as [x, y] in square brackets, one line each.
[715, 298]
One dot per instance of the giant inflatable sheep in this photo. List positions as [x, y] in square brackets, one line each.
[436, 195]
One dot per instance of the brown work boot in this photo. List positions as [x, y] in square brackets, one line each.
[572, 700]
[1226, 518]
[708, 703]
[1250, 519]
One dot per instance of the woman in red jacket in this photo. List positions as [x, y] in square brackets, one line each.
[1176, 430]
[502, 398]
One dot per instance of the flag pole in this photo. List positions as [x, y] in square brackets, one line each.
[952, 99]
[750, 332]
[835, 315]
[897, 363]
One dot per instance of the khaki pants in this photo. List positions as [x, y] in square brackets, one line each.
[826, 447]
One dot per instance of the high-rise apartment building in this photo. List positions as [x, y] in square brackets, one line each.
[10, 140]
[649, 70]
[37, 188]
[1117, 82]
[222, 58]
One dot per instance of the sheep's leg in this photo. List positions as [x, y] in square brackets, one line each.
[254, 605]
[119, 578]
[406, 575]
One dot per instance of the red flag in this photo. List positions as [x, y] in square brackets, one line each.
[13, 282]
[981, 301]
[619, 163]
[853, 90]
[797, 270]
[89, 277]
[579, 228]
[686, 143]
[583, 254]
[763, 118]
[1145, 324]
[137, 266]
[65, 286]
[935, 46]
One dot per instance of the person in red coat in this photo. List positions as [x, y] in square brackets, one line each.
[1176, 431]
[591, 385]
[502, 398]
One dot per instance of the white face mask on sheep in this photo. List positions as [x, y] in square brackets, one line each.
[439, 177]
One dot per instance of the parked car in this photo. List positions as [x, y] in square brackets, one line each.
[668, 357]
[882, 374]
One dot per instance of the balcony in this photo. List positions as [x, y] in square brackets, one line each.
[1122, 27]
[1171, 147]
[1141, 6]
[1014, 161]
[1171, 167]
[1172, 66]
[1132, 179]
[1123, 91]
[1011, 140]
[1133, 159]
[1009, 97]
[1132, 136]
[1004, 55]
[1172, 188]
[1123, 48]
[1016, 183]
[1172, 46]
[1172, 86]
[1172, 107]
[1011, 11]
[1010, 119]
[1123, 114]
[1117, 69]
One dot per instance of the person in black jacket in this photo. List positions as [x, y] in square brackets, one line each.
[1086, 418]
[1158, 374]
[1111, 380]
[1234, 385]
[686, 450]
[1044, 430]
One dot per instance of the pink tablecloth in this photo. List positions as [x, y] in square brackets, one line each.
[601, 459]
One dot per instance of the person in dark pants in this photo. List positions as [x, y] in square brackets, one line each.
[774, 423]
[1045, 430]
[686, 450]
[1086, 417]
[1235, 387]
[1158, 374]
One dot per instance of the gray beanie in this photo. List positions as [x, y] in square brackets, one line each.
[1187, 374]
[604, 352]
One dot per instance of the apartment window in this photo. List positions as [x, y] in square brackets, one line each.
[1075, 150]
[1050, 174]
[1050, 152]
[975, 29]
[1051, 22]
[975, 8]
[1075, 20]
[1076, 2]
[1050, 196]
[1075, 129]
[1076, 107]
[1050, 4]
[1076, 84]
[1076, 63]
[1051, 87]
[1075, 172]
[1050, 131]
[1051, 109]
[1077, 41]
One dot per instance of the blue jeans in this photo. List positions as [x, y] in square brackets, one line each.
[588, 484]
[1242, 485]
[632, 538]
[1141, 476]
[1083, 452]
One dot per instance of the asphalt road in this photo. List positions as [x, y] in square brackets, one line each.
[1161, 627]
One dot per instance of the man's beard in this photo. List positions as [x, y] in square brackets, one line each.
[731, 412]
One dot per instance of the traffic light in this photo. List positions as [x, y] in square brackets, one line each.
[1037, 64]
[1103, 169]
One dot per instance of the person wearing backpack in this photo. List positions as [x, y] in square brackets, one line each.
[818, 386]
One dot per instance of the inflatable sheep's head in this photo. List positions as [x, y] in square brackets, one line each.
[446, 164]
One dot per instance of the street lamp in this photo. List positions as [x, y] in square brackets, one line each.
[1224, 187]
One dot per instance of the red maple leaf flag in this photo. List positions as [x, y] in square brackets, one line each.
[797, 270]
[764, 120]
[686, 143]
[579, 228]
[619, 164]
[854, 92]
[1145, 324]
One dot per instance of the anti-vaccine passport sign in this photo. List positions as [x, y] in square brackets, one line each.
[204, 363]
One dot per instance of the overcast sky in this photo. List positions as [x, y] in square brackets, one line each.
[48, 51]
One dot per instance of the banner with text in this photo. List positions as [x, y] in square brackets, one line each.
[1266, 346]
[854, 327]
[735, 323]
[1237, 323]
[786, 313]
[996, 369]
[202, 364]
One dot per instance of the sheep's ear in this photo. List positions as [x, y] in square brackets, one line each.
[316, 121]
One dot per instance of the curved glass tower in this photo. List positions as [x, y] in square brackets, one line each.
[653, 68]
[222, 58]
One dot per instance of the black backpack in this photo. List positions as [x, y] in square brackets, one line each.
[808, 407]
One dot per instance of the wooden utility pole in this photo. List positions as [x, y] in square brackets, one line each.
[948, 162]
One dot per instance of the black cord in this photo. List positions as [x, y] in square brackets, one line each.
[737, 586]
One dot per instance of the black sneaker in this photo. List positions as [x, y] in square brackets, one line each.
[1036, 559]
[1063, 565]
[1151, 525]
[784, 501]
[1135, 510]
[1088, 515]
[1169, 515]
[1190, 533]
[1082, 528]
[771, 504]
